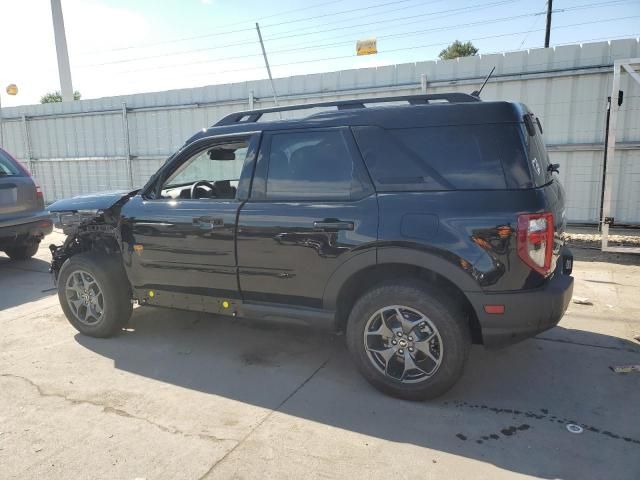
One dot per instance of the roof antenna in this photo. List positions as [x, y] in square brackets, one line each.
[476, 93]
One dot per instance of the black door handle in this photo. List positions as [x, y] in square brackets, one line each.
[208, 223]
[332, 225]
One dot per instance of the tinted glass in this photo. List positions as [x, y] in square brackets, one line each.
[7, 167]
[311, 166]
[462, 157]
[538, 157]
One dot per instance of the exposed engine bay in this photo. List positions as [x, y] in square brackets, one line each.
[87, 229]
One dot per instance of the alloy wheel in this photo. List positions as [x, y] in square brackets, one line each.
[402, 343]
[84, 297]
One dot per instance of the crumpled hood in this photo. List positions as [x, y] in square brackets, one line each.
[92, 201]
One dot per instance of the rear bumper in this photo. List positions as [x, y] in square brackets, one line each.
[525, 313]
[16, 230]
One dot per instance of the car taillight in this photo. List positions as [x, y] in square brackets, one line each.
[39, 194]
[535, 241]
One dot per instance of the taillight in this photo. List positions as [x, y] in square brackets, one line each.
[39, 194]
[535, 241]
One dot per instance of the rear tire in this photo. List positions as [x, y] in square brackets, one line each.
[23, 251]
[408, 339]
[94, 294]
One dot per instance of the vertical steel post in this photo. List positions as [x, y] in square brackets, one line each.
[611, 150]
[127, 145]
[547, 33]
[251, 100]
[27, 143]
[423, 83]
[64, 70]
[266, 62]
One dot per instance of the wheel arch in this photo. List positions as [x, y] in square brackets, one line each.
[368, 269]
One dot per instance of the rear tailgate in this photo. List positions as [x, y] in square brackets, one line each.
[18, 197]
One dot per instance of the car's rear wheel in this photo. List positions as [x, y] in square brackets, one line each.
[23, 251]
[94, 294]
[408, 339]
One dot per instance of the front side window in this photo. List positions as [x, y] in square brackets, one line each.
[213, 172]
[311, 166]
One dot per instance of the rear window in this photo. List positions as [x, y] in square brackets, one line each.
[7, 167]
[460, 157]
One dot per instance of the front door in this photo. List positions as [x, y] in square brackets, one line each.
[312, 208]
[179, 234]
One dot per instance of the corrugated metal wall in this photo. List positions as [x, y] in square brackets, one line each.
[87, 146]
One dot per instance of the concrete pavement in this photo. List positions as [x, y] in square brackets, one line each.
[187, 395]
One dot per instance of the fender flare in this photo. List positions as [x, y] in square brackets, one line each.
[447, 268]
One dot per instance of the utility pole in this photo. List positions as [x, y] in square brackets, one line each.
[64, 70]
[266, 62]
[547, 33]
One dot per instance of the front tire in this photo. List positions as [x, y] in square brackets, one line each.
[408, 339]
[94, 294]
[24, 251]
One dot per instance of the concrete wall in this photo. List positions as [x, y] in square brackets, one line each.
[91, 145]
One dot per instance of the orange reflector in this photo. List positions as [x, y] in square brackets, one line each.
[494, 309]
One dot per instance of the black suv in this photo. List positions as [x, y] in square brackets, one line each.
[416, 228]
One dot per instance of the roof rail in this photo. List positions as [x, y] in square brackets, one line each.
[249, 116]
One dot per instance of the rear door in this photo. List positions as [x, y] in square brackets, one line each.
[18, 197]
[312, 208]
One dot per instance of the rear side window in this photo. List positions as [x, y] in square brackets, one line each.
[538, 158]
[7, 167]
[316, 165]
[461, 157]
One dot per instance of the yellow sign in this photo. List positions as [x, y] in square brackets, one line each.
[12, 89]
[367, 47]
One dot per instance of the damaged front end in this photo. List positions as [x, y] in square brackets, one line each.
[91, 223]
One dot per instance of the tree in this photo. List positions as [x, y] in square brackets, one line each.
[53, 97]
[458, 49]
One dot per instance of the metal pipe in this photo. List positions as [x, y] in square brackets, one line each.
[127, 146]
[547, 33]
[604, 161]
[266, 62]
[64, 69]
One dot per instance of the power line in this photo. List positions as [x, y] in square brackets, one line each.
[182, 52]
[304, 19]
[317, 47]
[413, 47]
[348, 42]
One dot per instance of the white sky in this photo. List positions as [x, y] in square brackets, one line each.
[98, 31]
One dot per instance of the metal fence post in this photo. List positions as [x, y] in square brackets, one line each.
[127, 146]
[27, 143]
[423, 83]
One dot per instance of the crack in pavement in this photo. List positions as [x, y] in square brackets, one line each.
[264, 419]
[117, 411]
[580, 344]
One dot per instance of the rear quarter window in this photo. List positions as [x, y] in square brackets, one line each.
[537, 157]
[460, 157]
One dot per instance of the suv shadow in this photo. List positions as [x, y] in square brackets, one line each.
[27, 280]
[517, 401]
